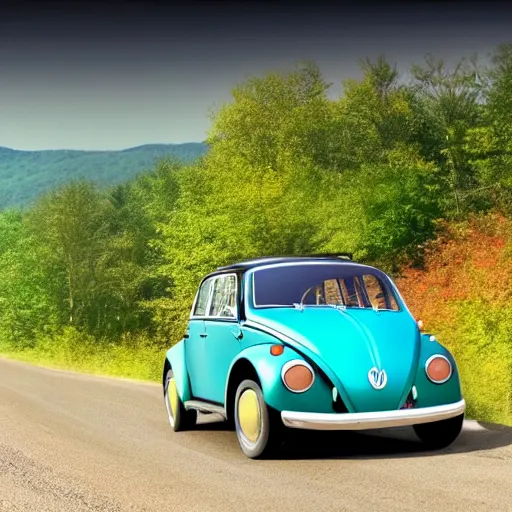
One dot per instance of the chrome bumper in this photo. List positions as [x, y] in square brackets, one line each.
[371, 420]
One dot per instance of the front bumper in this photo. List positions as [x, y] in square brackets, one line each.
[371, 420]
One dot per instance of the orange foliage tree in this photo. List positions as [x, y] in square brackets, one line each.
[464, 295]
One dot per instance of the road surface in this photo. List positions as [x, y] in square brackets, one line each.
[73, 443]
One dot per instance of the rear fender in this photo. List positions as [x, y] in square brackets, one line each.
[176, 358]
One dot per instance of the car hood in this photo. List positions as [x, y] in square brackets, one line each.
[351, 342]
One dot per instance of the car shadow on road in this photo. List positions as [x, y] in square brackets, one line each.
[212, 423]
[390, 443]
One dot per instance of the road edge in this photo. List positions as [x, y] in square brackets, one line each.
[6, 357]
[469, 424]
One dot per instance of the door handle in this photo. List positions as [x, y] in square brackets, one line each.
[203, 335]
[186, 335]
[238, 335]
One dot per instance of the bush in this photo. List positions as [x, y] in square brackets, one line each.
[132, 357]
[463, 296]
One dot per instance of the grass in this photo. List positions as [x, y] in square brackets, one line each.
[131, 359]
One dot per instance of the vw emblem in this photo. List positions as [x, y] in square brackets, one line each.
[377, 379]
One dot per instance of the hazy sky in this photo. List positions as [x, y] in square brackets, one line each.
[112, 75]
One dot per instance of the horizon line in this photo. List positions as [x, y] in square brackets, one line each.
[106, 150]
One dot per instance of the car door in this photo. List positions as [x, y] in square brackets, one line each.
[222, 344]
[195, 339]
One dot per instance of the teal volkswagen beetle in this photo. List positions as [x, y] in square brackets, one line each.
[320, 343]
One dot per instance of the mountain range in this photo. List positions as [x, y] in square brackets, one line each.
[24, 175]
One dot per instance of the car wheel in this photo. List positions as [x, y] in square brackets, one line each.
[440, 434]
[257, 429]
[179, 418]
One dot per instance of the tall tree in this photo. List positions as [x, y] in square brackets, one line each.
[71, 225]
[372, 117]
[26, 307]
[489, 146]
[449, 101]
[279, 113]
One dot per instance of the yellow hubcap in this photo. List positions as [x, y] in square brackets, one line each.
[249, 415]
[172, 396]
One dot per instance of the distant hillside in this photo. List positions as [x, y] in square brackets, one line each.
[24, 175]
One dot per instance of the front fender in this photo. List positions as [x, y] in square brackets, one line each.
[430, 394]
[306, 352]
[176, 357]
[268, 368]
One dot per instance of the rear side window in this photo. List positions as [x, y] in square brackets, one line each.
[377, 295]
[224, 297]
[202, 299]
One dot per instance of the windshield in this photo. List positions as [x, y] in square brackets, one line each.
[337, 285]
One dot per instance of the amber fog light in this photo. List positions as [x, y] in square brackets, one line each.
[438, 369]
[297, 376]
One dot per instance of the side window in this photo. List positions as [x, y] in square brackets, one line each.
[359, 287]
[332, 293]
[313, 295]
[350, 296]
[224, 297]
[377, 294]
[202, 299]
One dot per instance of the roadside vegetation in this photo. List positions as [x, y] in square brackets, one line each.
[408, 169]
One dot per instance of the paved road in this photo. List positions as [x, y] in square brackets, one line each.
[77, 443]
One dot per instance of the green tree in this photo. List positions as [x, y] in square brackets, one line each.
[372, 117]
[489, 147]
[447, 105]
[70, 226]
[401, 205]
[281, 112]
[26, 308]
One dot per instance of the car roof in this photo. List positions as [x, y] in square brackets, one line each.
[258, 262]
[242, 267]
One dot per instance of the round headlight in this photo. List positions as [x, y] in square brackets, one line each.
[438, 369]
[298, 376]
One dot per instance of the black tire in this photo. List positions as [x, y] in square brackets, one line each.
[439, 434]
[179, 418]
[265, 439]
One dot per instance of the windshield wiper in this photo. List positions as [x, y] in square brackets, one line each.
[301, 306]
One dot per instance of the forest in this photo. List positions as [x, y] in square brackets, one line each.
[410, 170]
